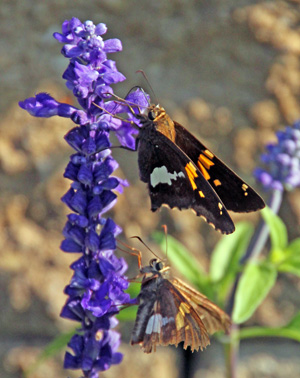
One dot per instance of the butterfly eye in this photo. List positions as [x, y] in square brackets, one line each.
[156, 265]
[159, 266]
[151, 115]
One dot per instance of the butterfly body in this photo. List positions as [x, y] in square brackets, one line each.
[181, 172]
[170, 312]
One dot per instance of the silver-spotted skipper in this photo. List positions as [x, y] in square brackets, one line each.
[181, 172]
[170, 312]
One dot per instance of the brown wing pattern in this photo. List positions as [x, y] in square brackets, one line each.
[173, 320]
[211, 315]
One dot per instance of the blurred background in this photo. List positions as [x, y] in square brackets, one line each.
[229, 71]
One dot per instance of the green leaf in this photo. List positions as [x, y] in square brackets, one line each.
[290, 258]
[184, 262]
[294, 323]
[134, 289]
[291, 265]
[255, 283]
[278, 231]
[52, 349]
[227, 253]
[129, 313]
[291, 330]
[294, 247]
[247, 333]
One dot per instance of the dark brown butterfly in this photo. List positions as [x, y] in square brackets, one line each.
[181, 172]
[170, 311]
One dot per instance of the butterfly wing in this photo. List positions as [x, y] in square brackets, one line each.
[168, 319]
[173, 179]
[211, 315]
[233, 191]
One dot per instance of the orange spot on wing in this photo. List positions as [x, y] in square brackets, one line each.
[179, 321]
[217, 182]
[203, 171]
[220, 207]
[201, 194]
[205, 161]
[245, 187]
[209, 154]
[192, 174]
[184, 308]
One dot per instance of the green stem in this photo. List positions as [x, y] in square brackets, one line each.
[231, 352]
[254, 249]
[261, 235]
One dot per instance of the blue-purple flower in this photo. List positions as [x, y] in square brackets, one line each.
[97, 288]
[282, 161]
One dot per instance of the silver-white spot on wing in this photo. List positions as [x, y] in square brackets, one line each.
[154, 324]
[160, 175]
[167, 320]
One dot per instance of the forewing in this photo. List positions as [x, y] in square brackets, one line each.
[233, 191]
[211, 315]
[173, 179]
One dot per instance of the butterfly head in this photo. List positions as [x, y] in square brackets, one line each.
[156, 112]
[156, 267]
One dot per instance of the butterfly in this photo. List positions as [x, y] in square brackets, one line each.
[181, 172]
[170, 312]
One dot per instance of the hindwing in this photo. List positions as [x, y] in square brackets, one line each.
[233, 191]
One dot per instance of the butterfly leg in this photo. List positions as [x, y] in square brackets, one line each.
[136, 252]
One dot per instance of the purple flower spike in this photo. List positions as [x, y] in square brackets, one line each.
[97, 288]
[282, 161]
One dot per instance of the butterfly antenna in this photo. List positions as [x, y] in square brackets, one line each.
[165, 227]
[137, 237]
[150, 86]
[136, 252]
[134, 125]
[130, 104]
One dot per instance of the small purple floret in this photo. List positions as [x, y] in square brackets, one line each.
[282, 161]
